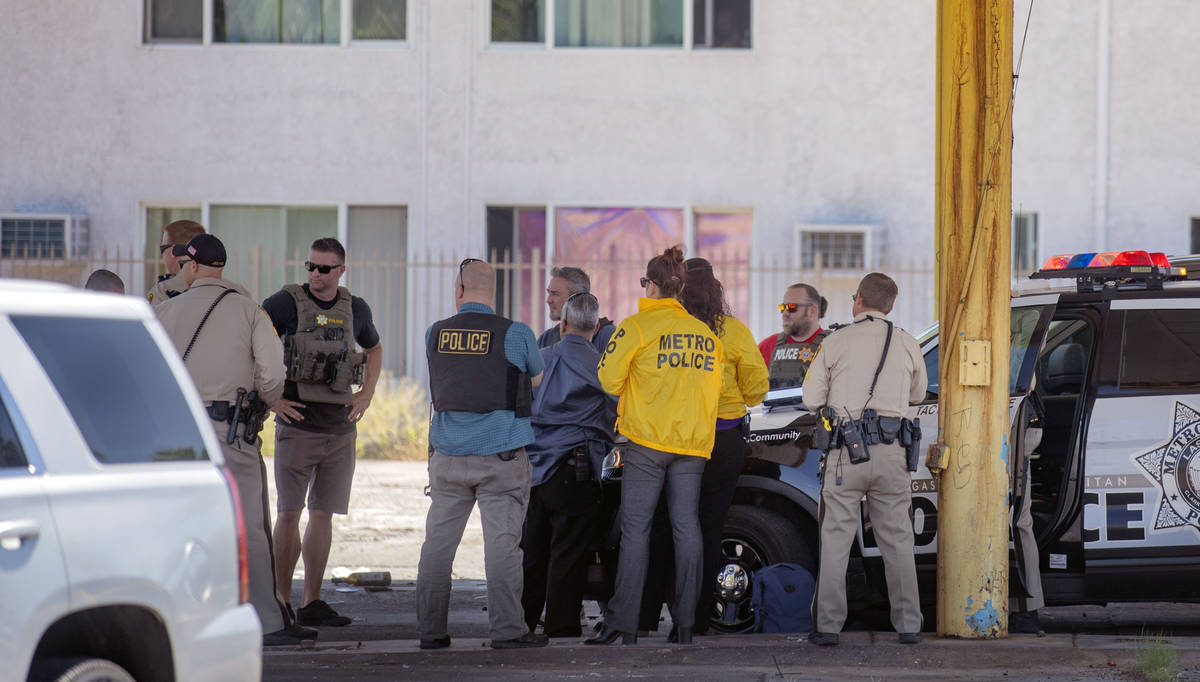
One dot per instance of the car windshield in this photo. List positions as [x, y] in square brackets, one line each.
[117, 386]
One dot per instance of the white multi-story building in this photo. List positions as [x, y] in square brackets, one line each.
[590, 130]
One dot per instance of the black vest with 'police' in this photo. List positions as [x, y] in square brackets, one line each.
[790, 361]
[468, 370]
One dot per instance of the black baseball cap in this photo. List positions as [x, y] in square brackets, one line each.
[205, 249]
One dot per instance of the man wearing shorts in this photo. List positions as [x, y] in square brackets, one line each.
[319, 324]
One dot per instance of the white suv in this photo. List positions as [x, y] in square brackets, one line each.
[122, 548]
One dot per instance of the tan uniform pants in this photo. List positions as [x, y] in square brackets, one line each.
[885, 482]
[1024, 529]
[249, 470]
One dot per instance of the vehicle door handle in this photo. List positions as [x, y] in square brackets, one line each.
[14, 533]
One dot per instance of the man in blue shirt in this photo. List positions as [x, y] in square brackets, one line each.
[482, 369]
[573, 422]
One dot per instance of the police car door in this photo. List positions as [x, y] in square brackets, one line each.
[1030, 316]
[1141, 492]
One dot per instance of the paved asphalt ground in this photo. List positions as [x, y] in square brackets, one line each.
[1083, 643]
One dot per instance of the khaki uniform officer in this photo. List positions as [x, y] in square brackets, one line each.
[172, 283]
[228, 343]
[841, 377]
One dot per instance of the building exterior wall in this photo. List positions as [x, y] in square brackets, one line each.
[829, 118]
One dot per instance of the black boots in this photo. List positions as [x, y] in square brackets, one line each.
[607, 636]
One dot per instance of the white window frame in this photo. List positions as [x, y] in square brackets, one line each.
[346, 32]
[865, 229]
[548, 30]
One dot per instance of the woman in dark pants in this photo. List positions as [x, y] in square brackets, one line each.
[745, 384]
[666, 367]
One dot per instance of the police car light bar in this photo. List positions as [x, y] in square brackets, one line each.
[1093, 268]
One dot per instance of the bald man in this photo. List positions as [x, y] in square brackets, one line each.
[482, 370]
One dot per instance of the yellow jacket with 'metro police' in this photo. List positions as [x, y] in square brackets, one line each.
[667, 368]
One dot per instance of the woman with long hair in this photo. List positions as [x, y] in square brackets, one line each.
[745, 385]
[666, 367]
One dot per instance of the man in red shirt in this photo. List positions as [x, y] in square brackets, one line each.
[789, 354]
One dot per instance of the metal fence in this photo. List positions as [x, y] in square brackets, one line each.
[407, 294]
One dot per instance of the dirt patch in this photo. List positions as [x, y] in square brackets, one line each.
[386, 524]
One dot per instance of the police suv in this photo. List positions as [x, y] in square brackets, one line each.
[1113, 340]
[122, 542]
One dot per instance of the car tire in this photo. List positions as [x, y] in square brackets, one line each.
[755, 537]
[77, 670]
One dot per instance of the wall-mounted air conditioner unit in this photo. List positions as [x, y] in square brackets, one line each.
[43, 235]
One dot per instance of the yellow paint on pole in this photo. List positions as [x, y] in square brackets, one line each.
[973, 218]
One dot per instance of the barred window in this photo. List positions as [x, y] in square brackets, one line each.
[835, 249]
[33, 237]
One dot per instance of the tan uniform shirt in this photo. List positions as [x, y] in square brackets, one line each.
[237, 348]
[158, 293]
[841, 374]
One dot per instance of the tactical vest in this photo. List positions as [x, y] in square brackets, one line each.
[468, 370]
[321, 357]
[790, 361]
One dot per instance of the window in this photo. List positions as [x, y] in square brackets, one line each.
[613, 246]
[721, 23]
[376, 252]
[724, 237]
[174, 21]
[117, 386]
[618, 23]
[1024, 244]
[518, 21]
[12, 455]
[43, 236]
[517, 235]
[839, 247]
[158, 217]
[1195, 240]
[278, 236]
[277, 21]
[380, 19]
[1162, 351]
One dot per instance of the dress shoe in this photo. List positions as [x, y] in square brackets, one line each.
[436, 643]
[910, 638]
[607, 636]
[529, 640]
[823, 638]
[1025, 622]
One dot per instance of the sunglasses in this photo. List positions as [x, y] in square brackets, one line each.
[792, 307]
[854, 297]
[465, 263]
[323, 269]
[644, 281]
[162, 248]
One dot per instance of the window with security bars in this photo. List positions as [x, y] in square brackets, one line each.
[835, 249]
[1024, 243]
[33, 237]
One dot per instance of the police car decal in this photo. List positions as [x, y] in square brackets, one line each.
[1175, 467]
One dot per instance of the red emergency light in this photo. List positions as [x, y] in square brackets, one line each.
[1093, 268]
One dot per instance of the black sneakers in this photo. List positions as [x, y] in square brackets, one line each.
[290, 635]
[909, 638]
[528, 640]
[319, 613]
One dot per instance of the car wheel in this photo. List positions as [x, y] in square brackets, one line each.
[77, 670]
[753, 538]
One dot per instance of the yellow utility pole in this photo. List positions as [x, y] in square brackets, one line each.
[974, 213]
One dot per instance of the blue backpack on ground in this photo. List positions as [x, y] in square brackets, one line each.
[781, 597]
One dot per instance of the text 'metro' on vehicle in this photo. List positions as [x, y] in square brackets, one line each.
[1111, 343]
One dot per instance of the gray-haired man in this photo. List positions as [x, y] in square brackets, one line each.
[564, 283]
[573, 422]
